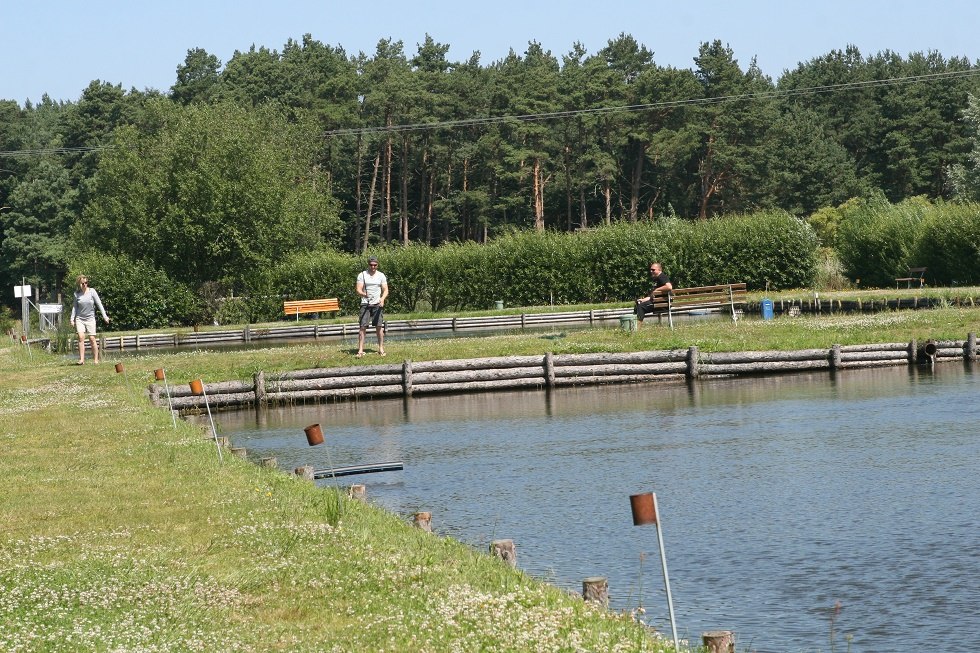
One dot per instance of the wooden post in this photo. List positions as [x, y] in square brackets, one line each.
[835, 362]
[358, 491]
[305, 472]
[247, 334]
[270, 462]
[407, 378]
[913, 352]
[423, 521]
[259, 380]
[692, 362]
[505, 550]
[549, 370]
[719, 641]
[595, 589]
[239, 451]
[971, 347]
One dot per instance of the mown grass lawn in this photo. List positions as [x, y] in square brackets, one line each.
[121, 532]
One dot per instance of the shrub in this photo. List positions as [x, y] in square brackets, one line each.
[135, 295]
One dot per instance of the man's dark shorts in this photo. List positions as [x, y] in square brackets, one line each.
[371, 315]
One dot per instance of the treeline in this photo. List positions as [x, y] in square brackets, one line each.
[240, 165]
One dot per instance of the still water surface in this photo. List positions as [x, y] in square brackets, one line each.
[779, 497]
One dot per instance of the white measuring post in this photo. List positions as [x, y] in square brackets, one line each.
[645, 512]
[197, 387]
[160, 374]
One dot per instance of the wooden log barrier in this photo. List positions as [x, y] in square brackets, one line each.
[505, 550]
[719, 641]
[423, 521]
[410, 378]
[595, 589]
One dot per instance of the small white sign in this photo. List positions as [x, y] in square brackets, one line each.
[49, 309]
[22, 291]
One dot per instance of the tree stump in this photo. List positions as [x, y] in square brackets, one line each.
[505, 550]
[270, 462]
[358, 491]
[239, 451]
[423, 521]
[719, 641]
[595, 589]
[305, 472]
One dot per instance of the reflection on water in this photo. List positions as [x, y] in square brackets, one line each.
[779, 496]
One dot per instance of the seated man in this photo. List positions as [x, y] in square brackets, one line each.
[661, 286]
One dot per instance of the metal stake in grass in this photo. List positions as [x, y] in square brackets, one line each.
[314, 437]
[645, 512]
[161, 375]
[197, 388]
[24, 341]
[121, 369]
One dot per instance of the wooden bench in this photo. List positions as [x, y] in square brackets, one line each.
[298, 306]
[915, 274]
[701, 298]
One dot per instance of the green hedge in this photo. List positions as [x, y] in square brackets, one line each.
[135, 295]
[607, 264]
[878, 241]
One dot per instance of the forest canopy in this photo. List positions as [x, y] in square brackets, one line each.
[275, 152]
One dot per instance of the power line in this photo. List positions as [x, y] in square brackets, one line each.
[558, 115]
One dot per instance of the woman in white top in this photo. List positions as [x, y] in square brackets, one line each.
[83, 317]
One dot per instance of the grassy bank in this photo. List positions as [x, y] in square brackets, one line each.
[122, 533]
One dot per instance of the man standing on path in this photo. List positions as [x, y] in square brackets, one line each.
[372, 286]
[661, 286]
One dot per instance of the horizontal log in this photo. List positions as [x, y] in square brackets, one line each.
[606, 380]
[433, 388]
[851, 365]
[299, 396]
[888, 346]
[477, 364]
[466, 376]
[216, 401]
[760, 367]
[213, 389]
[628, 358]
[612, 370]
[729, 358]
[330, 383]
[848, 357]
[333, 372]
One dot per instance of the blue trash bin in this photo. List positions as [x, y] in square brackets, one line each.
[766, 309]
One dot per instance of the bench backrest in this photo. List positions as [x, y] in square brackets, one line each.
[295, 307]
[701, 297]
[917, 273]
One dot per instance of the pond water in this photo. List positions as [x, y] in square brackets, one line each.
[780, 497]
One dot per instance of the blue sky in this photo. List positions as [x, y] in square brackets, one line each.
[59, 46]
